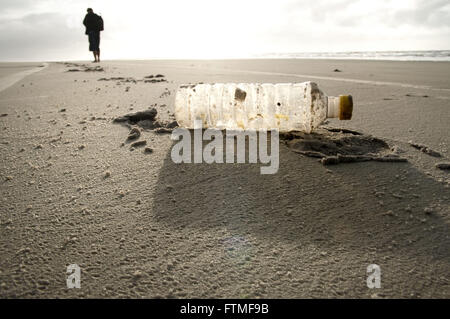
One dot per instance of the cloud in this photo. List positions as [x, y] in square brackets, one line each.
[344, 25]
[45, 36]
[425, 13]
[16, 4]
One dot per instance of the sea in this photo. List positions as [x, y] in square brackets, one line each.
[432, 55]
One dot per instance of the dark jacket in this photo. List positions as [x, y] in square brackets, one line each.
[93, 22]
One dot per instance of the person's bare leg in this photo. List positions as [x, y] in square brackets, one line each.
[95, 56]
[98, 55]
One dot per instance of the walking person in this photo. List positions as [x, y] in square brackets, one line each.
[93, 24]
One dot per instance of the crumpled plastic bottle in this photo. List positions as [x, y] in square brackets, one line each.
[255, 106]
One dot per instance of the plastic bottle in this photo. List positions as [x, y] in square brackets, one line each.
[254, 106]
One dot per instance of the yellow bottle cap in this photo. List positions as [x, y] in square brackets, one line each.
[345, 107]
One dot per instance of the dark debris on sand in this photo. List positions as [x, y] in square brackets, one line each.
[134, 134]
[119, 79]
[143, 120]
[146, 120]
[334, 146]
[443, 166]
[155, 81]
[414, 95]
[133, 118]
[75, 67]
[139, 144]
[425, 149]
[166, 93]
[147, 79]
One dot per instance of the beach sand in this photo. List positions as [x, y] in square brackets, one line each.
[73, 190]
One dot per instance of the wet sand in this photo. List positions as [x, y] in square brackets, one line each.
[74, 190]
[11, 73]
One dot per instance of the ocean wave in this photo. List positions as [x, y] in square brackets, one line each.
[432, 55]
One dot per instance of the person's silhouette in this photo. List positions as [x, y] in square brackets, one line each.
[93, 24]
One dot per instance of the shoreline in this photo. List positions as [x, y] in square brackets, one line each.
[225, 59]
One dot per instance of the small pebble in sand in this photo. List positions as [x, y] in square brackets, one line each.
[137, 274]
[389, 213]
[39, 147]
[428, 210]
[107, 174]
[62, 110]
[81, 147]
[148, 150]
[139, 144]
[8, 178]
[28, 208]
[134, 134]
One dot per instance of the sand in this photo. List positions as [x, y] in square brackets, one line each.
[75, 190]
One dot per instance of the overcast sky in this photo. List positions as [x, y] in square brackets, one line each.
[52, 29]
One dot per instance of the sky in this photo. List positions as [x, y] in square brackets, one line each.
[52, 30]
